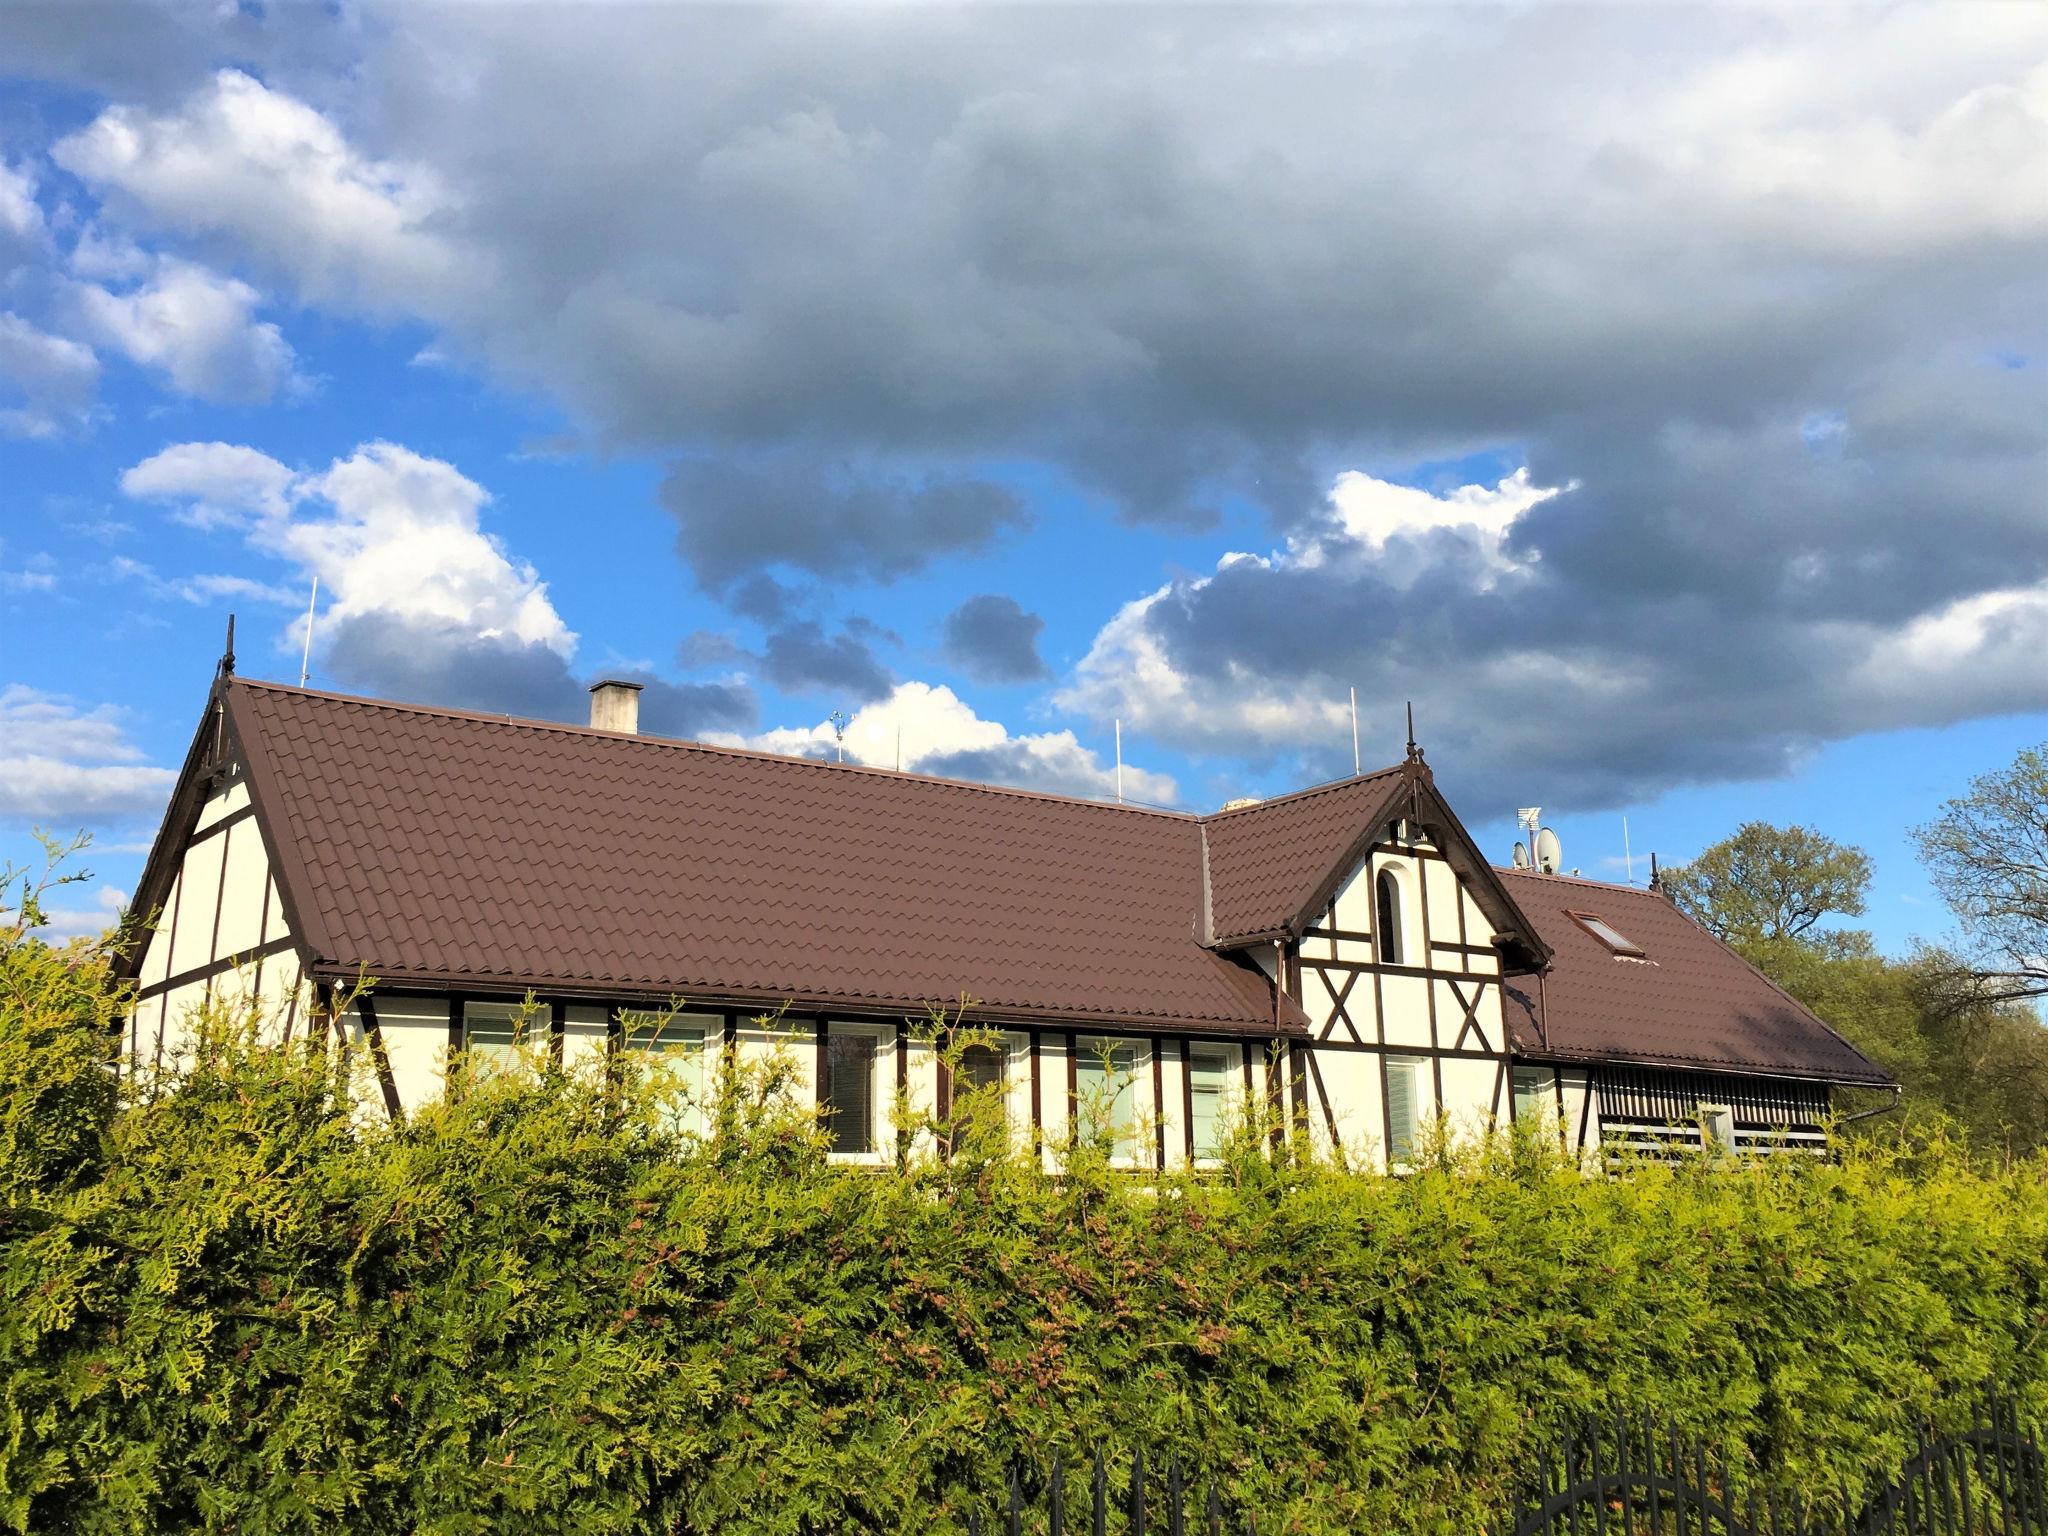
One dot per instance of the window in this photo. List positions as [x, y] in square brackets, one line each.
[1106, 1078]
[1387, 888]
[978, 1082]
[1404, 1109]
[850, 1090]
[492, 1036]
[1598, 926]
[1210, 1068]
[981, 1067]
[1533, 1093]
[680, 1041]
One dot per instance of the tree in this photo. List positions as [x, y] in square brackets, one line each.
[1767, 884]
[1987, 854]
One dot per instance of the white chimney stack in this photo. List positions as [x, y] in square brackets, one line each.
[615, 706]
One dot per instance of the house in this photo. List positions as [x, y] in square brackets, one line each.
[1344, 953]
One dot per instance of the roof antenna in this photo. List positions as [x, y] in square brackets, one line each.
[838, 718]
[227, 657]
[306, 656]
[1119, 762]
[1414, 752]
[1626, 857]
[899, 746]
[1354, 732]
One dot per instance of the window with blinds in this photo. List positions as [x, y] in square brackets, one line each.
[1211, 1069]
[1404, 1109]
[850, 1058]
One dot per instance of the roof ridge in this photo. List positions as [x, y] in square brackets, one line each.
[1585, 880]
[681, 743]
[1327, 786]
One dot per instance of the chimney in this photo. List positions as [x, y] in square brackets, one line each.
[615, 706]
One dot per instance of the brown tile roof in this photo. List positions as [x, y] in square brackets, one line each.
[443, 847]
[1690, 1001]
[1267, 862]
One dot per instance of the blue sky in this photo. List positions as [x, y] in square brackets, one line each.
[1659, 407]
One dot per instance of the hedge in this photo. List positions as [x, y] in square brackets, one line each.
[241, 1304]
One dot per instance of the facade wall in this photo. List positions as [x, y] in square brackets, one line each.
[220, 936]
[1045, 1071]
[1407, 1017]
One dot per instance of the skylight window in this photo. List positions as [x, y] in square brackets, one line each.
[1612, 937]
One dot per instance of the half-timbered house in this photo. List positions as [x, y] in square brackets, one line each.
[1344, 954]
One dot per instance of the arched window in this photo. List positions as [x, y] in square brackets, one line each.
[1388, 890]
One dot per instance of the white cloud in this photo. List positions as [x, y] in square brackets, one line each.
[53, 378]
[204, 588]
[941, 734]
[21, 220]
[198, 328]
[1128, 674]
[386, 530]
[1885, 134]
[38, 575]
[240, 159]
[102, 912]
[1975, 654]
[1373, 511]
[60, 764]
[106, 257]
[213, 484]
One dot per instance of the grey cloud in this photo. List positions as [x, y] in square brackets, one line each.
[455, 668]
[736, 516]
[800, 658]
[1708, 607]
[994, 640]
[838, 266]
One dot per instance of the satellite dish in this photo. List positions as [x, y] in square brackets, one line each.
[1549, 854]
[1521, 855]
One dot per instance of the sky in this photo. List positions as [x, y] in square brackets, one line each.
[1656, 397]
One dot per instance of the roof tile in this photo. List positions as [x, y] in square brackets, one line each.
[1689, 1001]
[446, 844]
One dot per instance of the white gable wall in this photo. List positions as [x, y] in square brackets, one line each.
[220, 935]
[1439, 1005]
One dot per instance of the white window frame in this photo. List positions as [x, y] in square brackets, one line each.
[1015, 1097]
[1394, 874]
[491, 1057]
[881, 1079]
[1228, 1094]
[702, 1035]
[1415, 1069]
[1089, 1058]
[1545, 1094]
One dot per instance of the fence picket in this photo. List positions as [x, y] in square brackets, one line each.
[1633, 1476]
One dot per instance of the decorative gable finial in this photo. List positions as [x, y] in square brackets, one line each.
[1414, 752]
[227, 657]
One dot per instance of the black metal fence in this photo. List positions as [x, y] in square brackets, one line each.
[1632, 1478]
[1627, 1477]
[1161, 1501]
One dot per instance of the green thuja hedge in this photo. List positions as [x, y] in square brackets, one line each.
[244, 1306]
